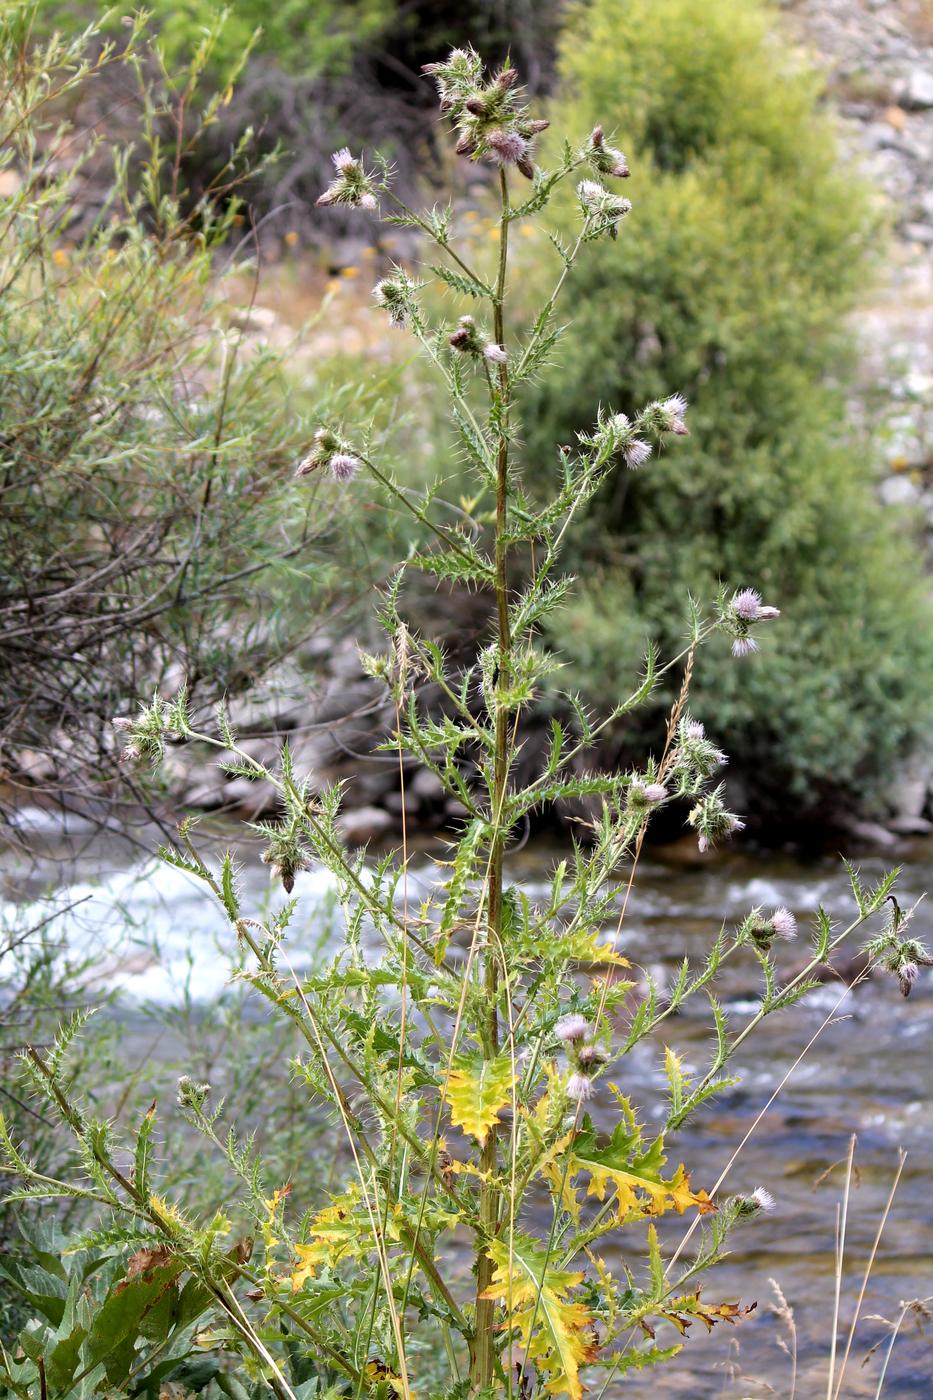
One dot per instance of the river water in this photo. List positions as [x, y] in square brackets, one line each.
[156, 935]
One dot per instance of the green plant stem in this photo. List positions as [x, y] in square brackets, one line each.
[484, 1351]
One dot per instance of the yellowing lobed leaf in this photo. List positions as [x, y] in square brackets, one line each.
[635, 1176]
[556, 1332]
[337, 1231]
[476, 1090]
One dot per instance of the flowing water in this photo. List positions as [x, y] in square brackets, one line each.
[867, 1072]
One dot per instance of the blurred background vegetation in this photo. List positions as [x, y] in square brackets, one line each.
[751, 243]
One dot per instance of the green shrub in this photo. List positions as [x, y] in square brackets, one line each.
[746, 249]
[149, 519]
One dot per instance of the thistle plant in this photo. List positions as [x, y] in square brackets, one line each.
[468, 1045]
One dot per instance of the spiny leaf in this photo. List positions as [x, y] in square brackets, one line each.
[636, 1176]
[556, 1331]
[476, 1090]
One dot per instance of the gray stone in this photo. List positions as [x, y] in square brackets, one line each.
[254, 797]
[898, 491]
[871, 834]
[919, 233]
[918, 89]
[911, 826]
[427, 786]
[363, 825]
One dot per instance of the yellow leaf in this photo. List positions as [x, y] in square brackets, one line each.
[634, 1175]
[556, 1332]
[476, 1090]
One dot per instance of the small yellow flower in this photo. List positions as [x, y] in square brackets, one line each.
[60, 257]
[471, 216]
[495, 233]
[333, 284]
[349, 272]
[291, 238]
[527, 230]
[369, 253]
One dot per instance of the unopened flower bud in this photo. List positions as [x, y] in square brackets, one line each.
[589, 1056]
[506, 78]
[495, 353]
[122, 724]
[131, 754]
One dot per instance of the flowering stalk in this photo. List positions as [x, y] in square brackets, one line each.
[483, 1002]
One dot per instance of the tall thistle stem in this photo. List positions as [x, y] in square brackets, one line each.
[484, 1354]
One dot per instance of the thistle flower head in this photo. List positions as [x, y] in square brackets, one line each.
[589, 1057]
[636, 453]
[352, 185]
[694, 729]
[131, 754]
[604, 159]
[571, 1028]
[783, 923]
[191, 1095]
[496, 354]
[763, 1199]
[329, 452]
[744, 646]
[642, 793]
[694, 758]
[666, 416]
[505, 147]
[757, 1202]
[122, 724]
[344, 466]
[602, 210]
[711, 820]
[579, 1088]
[747, 604]
[895, 952]
[394, 294]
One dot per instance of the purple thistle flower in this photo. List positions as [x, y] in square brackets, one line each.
[343, 160]
[122, 724]
[579, 1088]
[506, 147]
[495, 353]
[766, 613]
[636, 453]
[676, 407]
[763, 1199]
[744, 646]
[747, 604]
[693, 729]
[344, 466]
[702, 844]
[783, 923]
[571, 1028]
[131, 754]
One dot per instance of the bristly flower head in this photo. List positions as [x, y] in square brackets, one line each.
[352, 185]
[636, 453]
[744, 611]
[329, 452]
[784, 923]
[395, 294]
[744, 646]
[667, 416]
[344, 466]
[603, 211]
[468, 340]
[758, 1202]
[694, 758]
[712, 821]
[579, 1088]
[642, 793]
[571, 1028]
[901, 956]
[491, 120]
[606, 160]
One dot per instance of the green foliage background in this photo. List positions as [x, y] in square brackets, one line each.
[748, 245]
